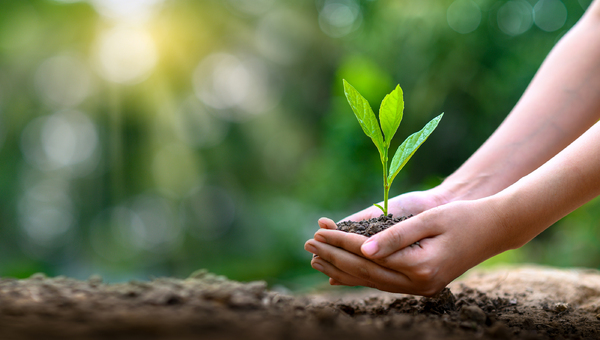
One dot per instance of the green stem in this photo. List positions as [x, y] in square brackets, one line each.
[385, 199]
[386, 185]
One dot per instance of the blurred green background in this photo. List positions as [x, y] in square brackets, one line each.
[155, 137]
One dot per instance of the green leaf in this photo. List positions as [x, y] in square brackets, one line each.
[390, 113]
[410, 146]
[380, 207]
[366, 117]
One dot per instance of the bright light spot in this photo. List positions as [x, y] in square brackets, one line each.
[46, 212]
[197, 127]
[283, 36]
[63, 81]
[176, 170]
[125, 55]
[253, 7]
[464, 16]
[160, 232]
[515, 17]
[67, 139]
[130, 10]
[550, 15]
[339, 18]
[236, 88]
[208, 212]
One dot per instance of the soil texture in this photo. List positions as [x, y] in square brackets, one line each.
[371, 226]
[513, 303]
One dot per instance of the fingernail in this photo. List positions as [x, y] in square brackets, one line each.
[310, 248]
[317, 266]
[370, 247]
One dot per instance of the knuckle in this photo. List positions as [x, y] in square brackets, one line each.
[424, 274]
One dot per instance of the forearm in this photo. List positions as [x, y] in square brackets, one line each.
[558, 187]
[561, 102]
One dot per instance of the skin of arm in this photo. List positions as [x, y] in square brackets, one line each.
[494, 202]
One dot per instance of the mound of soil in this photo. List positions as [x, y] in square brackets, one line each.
[521, 303]
[372, 226]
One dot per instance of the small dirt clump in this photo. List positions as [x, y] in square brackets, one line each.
[371, 226]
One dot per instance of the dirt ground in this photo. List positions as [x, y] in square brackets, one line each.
[511, 303]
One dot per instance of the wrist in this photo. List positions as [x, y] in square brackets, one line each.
[460, 189]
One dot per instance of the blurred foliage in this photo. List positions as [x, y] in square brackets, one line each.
[155, 137]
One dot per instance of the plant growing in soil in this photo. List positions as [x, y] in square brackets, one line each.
[390, 116]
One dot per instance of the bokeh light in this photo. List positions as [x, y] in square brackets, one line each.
[515, 17]
[237, 88]
[63, 81]
[66, 139]
[464, 16]
[197, 127]
[550, 15]
[283, 36]
[338, 18]
[125, 55]
[160, 232]
[130, 10]
[46, 212]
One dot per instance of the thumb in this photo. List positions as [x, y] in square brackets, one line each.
[395, 238]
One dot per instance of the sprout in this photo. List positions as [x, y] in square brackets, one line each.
[390, 116]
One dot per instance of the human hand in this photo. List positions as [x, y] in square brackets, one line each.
[411, 203]
[452, 238]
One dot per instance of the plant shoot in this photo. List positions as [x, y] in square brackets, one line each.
[390, 116]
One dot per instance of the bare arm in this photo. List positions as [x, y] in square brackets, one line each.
[561, 102]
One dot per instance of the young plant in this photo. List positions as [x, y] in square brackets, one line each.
[390, 116]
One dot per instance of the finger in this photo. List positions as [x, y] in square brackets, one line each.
[398, 237]
[408, 259]
[337, 283]
[348, 241]
[365, 214]
[359, 267]
[338, 276]
[326, 223]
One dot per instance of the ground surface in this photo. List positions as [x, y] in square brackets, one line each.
[523, 303]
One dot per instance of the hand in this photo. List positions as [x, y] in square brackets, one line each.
[452, 238]
[404, 205]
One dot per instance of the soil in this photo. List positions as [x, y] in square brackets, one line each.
[512, 303]
[372, 226]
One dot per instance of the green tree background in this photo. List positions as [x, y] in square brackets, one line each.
[155, 137]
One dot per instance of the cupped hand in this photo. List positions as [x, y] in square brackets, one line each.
[411, 203]
[451, 239]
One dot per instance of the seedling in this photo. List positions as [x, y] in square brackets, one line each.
[390, 116]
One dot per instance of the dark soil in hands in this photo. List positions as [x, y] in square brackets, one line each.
[511, 304]
[372, 226]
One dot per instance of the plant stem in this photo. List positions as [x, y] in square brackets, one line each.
[386, 185]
